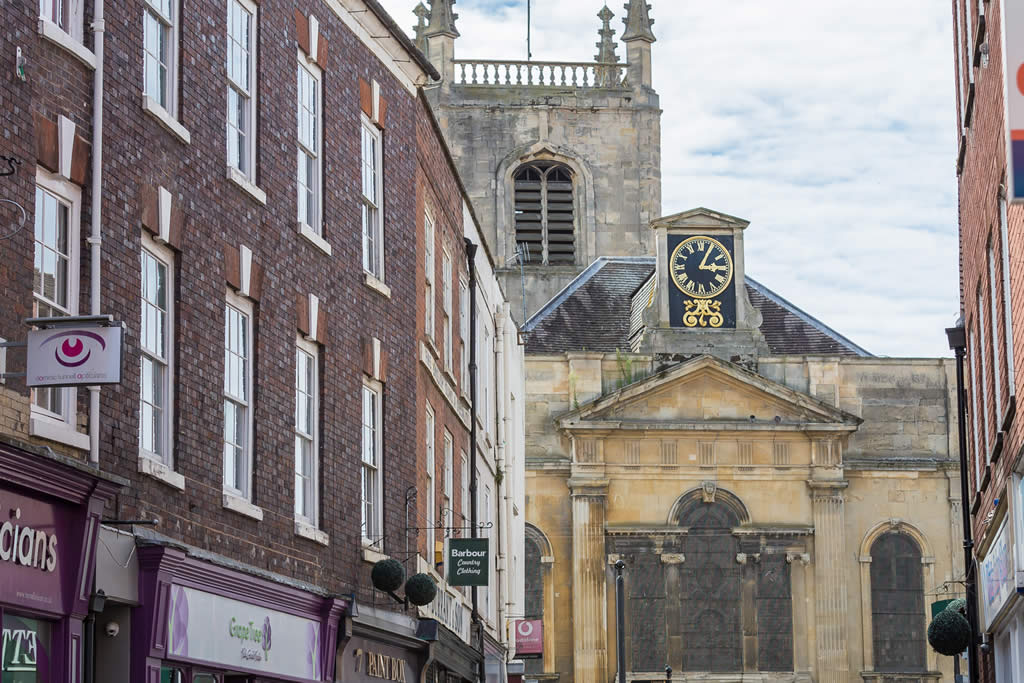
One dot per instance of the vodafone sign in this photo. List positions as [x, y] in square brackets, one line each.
[529, 637]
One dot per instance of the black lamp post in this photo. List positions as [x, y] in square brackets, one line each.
[620, 619]
[957, 337]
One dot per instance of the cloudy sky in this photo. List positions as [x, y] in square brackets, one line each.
[830, 126]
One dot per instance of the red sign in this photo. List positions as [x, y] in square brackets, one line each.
[529, 637]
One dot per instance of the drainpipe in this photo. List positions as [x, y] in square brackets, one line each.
[501, 391]
[471, 262]
[95, 239]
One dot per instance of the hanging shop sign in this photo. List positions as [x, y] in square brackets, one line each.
[74, 355]
[529, 637]
[1013, 28]
[210, 628]
[997, 580]
[468, 560]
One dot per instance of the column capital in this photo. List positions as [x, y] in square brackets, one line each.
[588, 486]
[827, 489]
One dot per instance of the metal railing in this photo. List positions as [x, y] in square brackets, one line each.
[511, 74]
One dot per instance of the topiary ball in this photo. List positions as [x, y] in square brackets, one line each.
[420, 589]
[949, 633]
[958, 605]
[387, 575]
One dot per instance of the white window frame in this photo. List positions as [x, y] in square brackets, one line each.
[1004, 241]
[464, 492]
[372, 531]
[997, 370]
[69, 31]
[248, 94]
[168, 99]
[431, 488]
[245, 307]
[165, 257]
[982, 351]
[428, 266]
[464, 333]
[61, 426]
[373, 260]
[446, 289]
[310, 511]
[316, 227]
[975, 422]
[449, 456]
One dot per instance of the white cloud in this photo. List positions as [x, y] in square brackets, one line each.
[829, 125]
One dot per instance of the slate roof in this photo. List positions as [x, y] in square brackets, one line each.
[592, 313]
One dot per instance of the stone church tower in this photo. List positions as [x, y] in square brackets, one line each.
[561, 159]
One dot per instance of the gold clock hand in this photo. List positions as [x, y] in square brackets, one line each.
[703, 263]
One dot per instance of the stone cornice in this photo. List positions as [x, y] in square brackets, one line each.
[588, 486]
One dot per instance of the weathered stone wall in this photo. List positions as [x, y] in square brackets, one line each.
[610, 137]
[822, 505]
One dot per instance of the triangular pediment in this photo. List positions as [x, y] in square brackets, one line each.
[700, 219]
[712, 392]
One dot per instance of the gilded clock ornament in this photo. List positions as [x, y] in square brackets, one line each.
[701, 267]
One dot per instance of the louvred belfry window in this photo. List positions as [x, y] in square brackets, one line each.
[545, 213]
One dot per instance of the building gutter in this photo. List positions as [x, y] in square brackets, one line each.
[503, 409]
[471, 263]
[95, 239]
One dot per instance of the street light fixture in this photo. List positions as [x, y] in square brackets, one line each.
[957, 338]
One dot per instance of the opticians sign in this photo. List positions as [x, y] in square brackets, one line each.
[73, 356]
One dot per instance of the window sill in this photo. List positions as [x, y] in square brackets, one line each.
[161, 472]
[373, 556]
[242, 506]
[376, 285]
[238, 178]
[318, 241]
[58, 36]
[309, 531]
[61, 432]
[164, 118]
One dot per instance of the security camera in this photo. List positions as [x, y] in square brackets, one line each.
[112, 628]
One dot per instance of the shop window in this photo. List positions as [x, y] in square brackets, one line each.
[897, 604]
[26, 651]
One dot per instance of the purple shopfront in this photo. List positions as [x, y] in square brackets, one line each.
[50, 511]
[200, 621]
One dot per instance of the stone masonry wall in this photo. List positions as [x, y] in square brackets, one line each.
[614, 136]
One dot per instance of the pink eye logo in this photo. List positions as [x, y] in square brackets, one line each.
[73, 352]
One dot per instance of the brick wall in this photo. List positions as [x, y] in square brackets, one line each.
[139, 152]
[981, 175]
[437, 190]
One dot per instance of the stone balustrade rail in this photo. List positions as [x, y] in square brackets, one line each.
[511, 74]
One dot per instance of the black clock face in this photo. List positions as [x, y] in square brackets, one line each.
[701, 267]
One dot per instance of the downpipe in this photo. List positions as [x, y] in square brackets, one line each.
[95, 239]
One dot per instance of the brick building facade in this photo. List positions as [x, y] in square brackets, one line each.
[270, 416]
[990, 296]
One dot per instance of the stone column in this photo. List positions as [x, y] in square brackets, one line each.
[831, 604]
[589, 592]
[798, 582]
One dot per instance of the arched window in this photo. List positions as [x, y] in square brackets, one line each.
[897, 604]
[535, 577]
[545, 212]
[711, 614]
